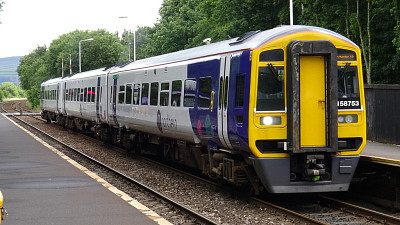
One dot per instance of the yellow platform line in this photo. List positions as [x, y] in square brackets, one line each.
[131, 201]
[380, 160]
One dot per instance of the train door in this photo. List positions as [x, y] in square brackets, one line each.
[113, 99]
[58, 103]
[98, 111]
[312, 96]
[223, 101]
[64, 97]
[312, 101]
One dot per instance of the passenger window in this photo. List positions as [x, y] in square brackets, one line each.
[81, 94]
[272, 55]
[226, 92]
[85, 91]
[78, 94]
[176, 93]
[239, 100]
[128, 98]
[204, 92]
[93, 93]
[270, 92]
[121, 94]
[154, 93]
[111, 93]
[190, 93]
[164, 94]
[89, 94]
[136, 92]
[145, 94]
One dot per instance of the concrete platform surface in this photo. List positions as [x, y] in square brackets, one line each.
[40, 187]
[382, 150]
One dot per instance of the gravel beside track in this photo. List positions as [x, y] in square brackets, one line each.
[209, 200]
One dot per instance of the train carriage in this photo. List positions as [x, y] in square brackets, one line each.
[49, 97]
[281, 109]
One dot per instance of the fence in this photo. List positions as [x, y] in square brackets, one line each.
[383, 113]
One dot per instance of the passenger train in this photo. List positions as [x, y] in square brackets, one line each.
[280, 110]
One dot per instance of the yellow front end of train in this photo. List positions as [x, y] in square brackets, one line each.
[307, 120]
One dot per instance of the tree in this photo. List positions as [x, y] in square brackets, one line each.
[10, 90]
[143, 35]
[32, 71]
[103, 51]
[43, 64]
[1, 6]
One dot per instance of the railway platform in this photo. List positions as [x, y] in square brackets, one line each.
[40, 187]
[381, 153]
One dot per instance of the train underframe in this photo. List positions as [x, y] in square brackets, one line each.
[221, 166]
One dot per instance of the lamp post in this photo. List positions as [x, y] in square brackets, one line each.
[80, 50]
[129, 51]
[134, 45]
[134, 40]
[291, 11]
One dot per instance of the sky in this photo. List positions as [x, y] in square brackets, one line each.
[27, 24]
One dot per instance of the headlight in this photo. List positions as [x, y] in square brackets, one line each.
[348, 119]
[270, 120]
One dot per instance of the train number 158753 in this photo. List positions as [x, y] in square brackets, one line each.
[348, 103]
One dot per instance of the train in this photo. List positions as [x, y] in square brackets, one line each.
[280, 110]
[3, 211]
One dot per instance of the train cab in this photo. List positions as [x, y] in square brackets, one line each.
[307, 112]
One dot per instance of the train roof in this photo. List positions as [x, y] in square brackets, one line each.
[247, 41]
[90, 73]
[250, 40]
[52, 81]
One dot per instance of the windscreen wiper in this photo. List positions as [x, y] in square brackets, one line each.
[273, 71]
[341, 76]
